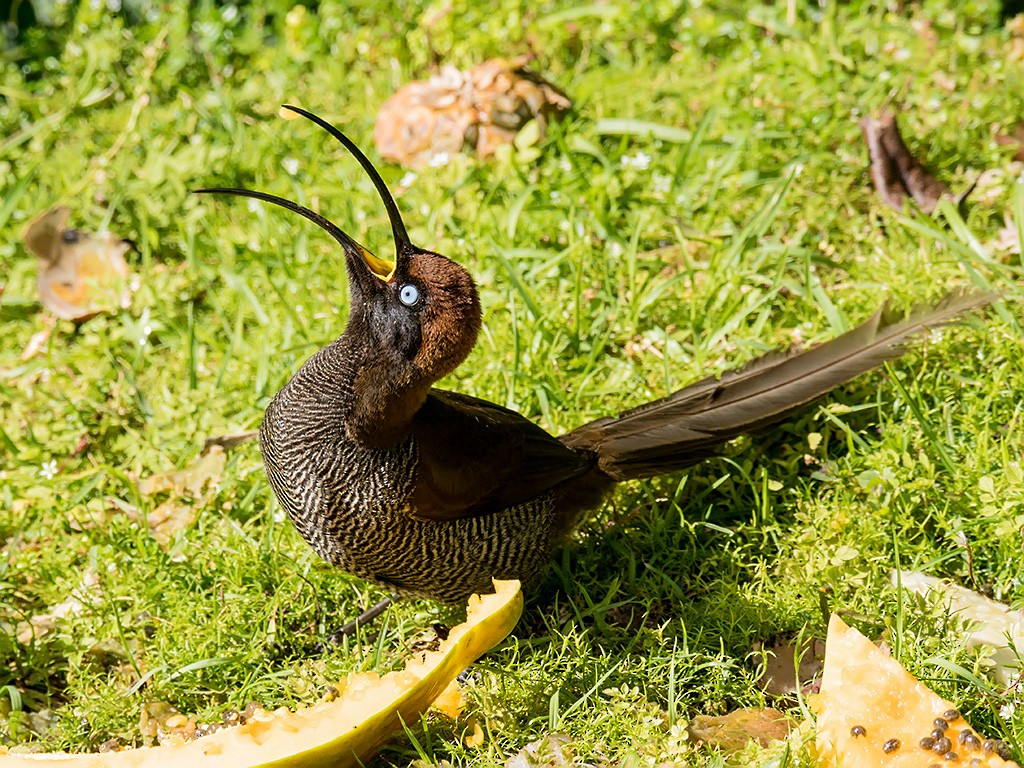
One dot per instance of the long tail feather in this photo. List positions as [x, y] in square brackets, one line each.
[687, 426]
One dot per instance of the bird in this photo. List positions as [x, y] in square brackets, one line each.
[430, 493]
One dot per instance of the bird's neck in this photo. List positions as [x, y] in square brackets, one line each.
[381, 397]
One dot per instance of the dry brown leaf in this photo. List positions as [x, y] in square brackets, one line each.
[551, 751]
[895, 172]
[230, 440]
[80, 274]
[38, 341]
[732, 732]
[1013, 137]
[42, 624]
[781, 676]
[189, 489]
[479, 109]
[992, 624]
[1008, 239]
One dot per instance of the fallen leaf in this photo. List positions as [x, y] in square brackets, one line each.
[782, 677]
[895, 172]
[80, 274]
[479, 109]
[552, 751]
[475, 738]
[189, 490]
[1014, 137]
[230, 440]
[995, 625]
[734, 731]
[42, 624]
[37, 343]
[1008, 238]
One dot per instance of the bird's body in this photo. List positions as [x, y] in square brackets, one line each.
[355, 504]
[433, 493]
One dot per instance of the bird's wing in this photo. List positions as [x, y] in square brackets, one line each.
[476, 458]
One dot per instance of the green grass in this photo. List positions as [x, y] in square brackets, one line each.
[603, 284]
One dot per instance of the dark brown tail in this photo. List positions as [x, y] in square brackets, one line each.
[687, 426]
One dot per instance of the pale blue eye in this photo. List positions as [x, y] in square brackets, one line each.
[408, 294]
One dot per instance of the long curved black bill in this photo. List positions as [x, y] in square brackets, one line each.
[402, 242]
[380, 268]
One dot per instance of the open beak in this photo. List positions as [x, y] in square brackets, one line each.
[355, 253]
[360, 259]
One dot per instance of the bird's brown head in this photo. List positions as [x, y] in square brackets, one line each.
[412, 320]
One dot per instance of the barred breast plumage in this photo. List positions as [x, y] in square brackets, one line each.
[352, 503]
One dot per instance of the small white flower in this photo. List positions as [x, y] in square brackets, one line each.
[1006, 711]
[641, 161]
[662, 183]
[279, 515]
[438, 159]
[565, 165]
[408, 179]
[291, 165]
[615, 249]
[49, 469]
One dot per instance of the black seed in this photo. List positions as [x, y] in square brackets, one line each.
[938, 733]
[942, 746]
[989, 745]
[891, 745]
[251, 709]
[927, 742]
[967, 738]
[949, 756]
[231, 717]
[940, 723]
[951, 714]
[975, 763]
[1002, 750]
[858, 730]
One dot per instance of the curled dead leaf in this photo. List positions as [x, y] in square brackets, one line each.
[732, 732]
[80, 274]
[896, 173]
[992, 624]
[188, 491]
[551, 751]
[788, 667]
[479, 109]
